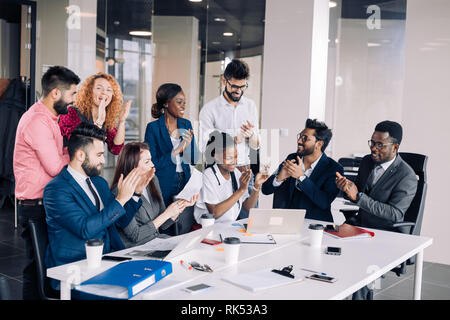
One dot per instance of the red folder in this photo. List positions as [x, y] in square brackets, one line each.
[347, 231]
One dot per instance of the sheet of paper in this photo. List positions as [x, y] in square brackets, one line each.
[161, 243]
[193, 186]
[262, 279]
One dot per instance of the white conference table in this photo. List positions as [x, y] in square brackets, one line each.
[362, 261]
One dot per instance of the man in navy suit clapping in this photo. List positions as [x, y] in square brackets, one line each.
[79, 204]
[306, 179]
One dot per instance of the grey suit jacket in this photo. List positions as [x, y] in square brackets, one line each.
[387, 201]
[141, 228]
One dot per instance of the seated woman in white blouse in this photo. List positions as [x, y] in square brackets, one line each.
[225, 188]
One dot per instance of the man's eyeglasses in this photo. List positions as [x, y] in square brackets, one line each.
[235, 87]
[377, 145]
[302, 137]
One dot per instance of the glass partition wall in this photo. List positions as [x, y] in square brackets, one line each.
[145, 43]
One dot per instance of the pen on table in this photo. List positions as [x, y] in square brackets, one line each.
[184, 265]
[322, 273]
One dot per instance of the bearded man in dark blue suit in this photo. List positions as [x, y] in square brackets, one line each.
[79, 204]
[306, 179]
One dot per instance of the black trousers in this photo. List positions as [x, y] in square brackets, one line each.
[30, 276]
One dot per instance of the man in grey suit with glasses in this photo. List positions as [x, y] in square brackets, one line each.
[385, 185]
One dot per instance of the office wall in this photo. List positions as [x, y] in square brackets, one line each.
[176, 58]
[51, 36]
[368, 84]
[426, 112]
[402, 76]
[81, 40]
[287, 90]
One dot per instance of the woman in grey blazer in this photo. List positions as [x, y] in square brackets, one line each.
[153, 214]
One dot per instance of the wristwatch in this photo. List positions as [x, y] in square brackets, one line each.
[358, 196]
[301, 178]
[135, 194]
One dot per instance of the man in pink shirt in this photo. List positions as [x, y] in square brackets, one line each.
[39, 157]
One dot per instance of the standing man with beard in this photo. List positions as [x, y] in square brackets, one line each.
[39, 157]
[235, 114]
[306, 179]
[79, 204]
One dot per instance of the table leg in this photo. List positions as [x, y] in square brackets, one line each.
[65, 290]
[418, 276]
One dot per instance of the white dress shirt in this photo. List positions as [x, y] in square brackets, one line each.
[306, 172]
[81, 180]
[223, 116]
[213, 193]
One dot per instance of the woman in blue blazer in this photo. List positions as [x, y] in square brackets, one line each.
[171, 141]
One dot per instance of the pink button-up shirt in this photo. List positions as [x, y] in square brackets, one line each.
[38, 152]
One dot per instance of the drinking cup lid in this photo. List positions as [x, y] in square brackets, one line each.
[94, 242]
[231, 240]
[316, 227]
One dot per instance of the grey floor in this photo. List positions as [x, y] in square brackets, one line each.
[435, 285]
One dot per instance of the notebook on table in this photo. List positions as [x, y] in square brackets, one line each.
[347, 231]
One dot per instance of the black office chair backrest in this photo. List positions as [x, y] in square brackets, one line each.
[39, 238]
[418, 162]
[351, 166]
[5, 290]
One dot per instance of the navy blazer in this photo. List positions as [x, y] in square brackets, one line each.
[158, 138]
[72, 218]
[316, 192]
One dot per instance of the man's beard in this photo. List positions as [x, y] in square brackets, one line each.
[230, 95]
[61, 107]
[91, 171]
[305, 152]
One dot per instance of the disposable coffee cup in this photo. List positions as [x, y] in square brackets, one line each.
[207, 220]
[232, 246]
[315, 235]
[94, 252]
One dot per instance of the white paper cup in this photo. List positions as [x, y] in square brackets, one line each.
[207, 220]
[94, 252]
[231, 246]
[315, 235]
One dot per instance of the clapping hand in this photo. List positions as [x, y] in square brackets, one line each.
[101, 115]
[125, 111]
[190, 203]
[346, 186]
[244, 180]
[127, 186]
[247, 130]
[146, 177]
[293, 169]
[261, 177]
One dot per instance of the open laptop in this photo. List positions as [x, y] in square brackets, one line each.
[273, 221]
[189, 242]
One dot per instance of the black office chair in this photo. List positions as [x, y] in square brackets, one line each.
[412, 222]
[39, 238]
[351, 166]
[5, 290]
